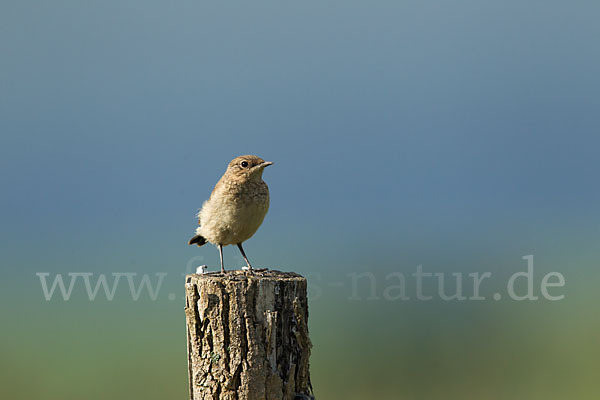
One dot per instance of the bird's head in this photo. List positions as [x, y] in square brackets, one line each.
[247, 167]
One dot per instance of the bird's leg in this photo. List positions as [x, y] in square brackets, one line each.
[221, 256]
[245, 258]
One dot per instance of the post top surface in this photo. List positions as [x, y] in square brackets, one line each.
[237, 275]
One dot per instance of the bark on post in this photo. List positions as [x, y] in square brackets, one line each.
[248, 336]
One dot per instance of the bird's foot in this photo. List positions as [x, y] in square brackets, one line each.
[248, 270]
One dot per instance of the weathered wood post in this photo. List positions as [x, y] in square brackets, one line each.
[248, 336]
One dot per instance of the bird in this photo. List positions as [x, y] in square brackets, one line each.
[236, 207]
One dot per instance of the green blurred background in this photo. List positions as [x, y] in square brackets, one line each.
[460, 136]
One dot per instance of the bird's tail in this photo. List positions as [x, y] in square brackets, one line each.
[197, 239]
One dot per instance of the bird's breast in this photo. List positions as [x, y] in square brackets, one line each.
[234, 212]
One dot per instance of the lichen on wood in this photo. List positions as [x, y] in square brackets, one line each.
[248, 336]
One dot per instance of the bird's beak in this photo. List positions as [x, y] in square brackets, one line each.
[265, 164]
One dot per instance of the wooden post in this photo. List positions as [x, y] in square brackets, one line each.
[248, 336]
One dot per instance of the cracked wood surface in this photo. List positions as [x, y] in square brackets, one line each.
[248, 336]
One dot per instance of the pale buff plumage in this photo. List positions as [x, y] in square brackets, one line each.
[237, 206]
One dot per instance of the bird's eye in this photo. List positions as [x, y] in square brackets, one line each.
[245, 164]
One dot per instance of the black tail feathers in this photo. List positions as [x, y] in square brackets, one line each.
[199, 240]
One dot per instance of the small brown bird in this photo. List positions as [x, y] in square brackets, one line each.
[236, 208]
